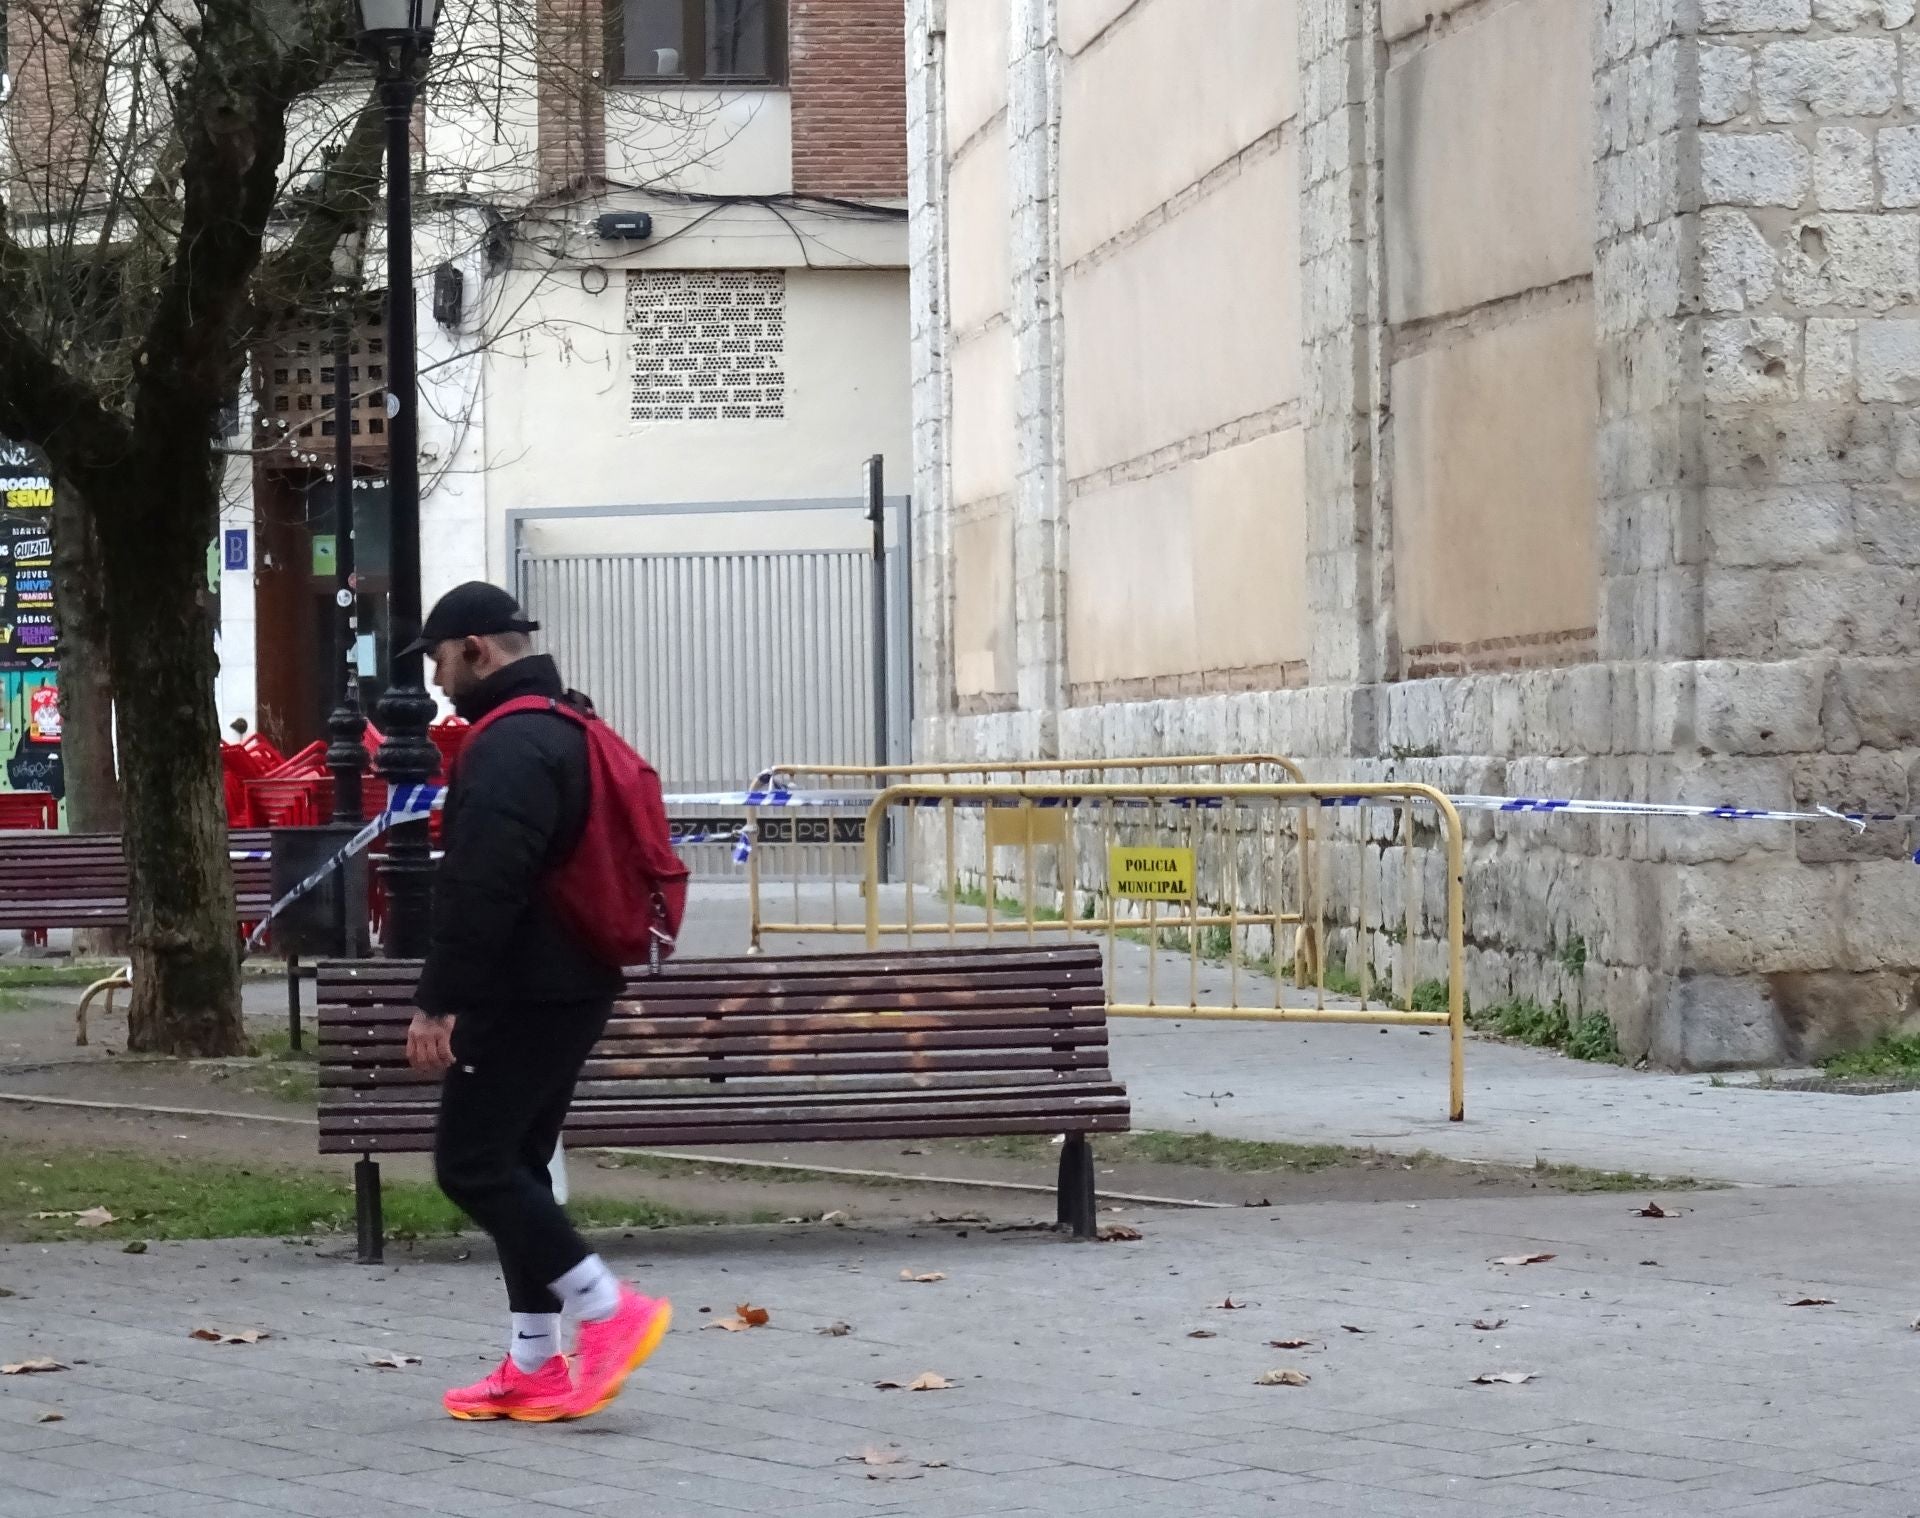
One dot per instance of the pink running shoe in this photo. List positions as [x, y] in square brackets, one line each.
[613, 1348]
[539, 1396]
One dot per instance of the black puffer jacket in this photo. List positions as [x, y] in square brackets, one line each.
[516, 809]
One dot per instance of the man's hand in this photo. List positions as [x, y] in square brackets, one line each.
[430, 1043]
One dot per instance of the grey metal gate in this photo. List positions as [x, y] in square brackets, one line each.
[716, 665]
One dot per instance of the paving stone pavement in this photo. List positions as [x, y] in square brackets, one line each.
[1320, 1083]
[1685, 1387]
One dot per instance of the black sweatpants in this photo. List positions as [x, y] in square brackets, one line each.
[501, 1107]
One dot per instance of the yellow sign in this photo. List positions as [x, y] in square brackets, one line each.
[1026, 827]
[1151, 874]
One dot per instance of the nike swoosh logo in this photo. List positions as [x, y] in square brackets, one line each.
[530, 1336]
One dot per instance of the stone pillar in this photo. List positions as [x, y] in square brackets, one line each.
[927, 152]
[1039, 530]
[1349, 573]
[1758, 298]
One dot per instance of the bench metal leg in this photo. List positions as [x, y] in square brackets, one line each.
[1077, 1208]
[293, 1003]
[366, 1207]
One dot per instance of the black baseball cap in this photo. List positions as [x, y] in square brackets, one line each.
[473, 610]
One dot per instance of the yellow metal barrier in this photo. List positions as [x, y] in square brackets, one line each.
[1154, 891]
[791, 837]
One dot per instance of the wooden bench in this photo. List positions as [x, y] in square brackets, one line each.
[79, 880]
[947, 1043]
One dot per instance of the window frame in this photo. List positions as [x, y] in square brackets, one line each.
[694, 29]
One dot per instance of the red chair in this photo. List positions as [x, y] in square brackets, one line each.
[297, 801]
[310, 761]
[449, 735]
[29, 812]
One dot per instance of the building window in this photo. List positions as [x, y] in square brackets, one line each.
[700, 41]
[709, 345]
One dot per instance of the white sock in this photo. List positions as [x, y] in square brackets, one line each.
[590, 1290]
[535, 1339]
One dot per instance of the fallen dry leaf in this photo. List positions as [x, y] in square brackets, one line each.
[136, 1246]
[1653, 1210]
[836, 1216]
[51, 1417]
[1289, 1344]
[925, 1381]
[392, 1362]
[30, 1367]
[1504, 1378]
[1812, 1302]
[93, 1217]
[935, 1465]
[217, 1336]
[1487, 1327]
[1118, 1233]
[1208, 1333]
[753, 1317]
[1229, 1305]
[1349, 1328]
[1523, 1259]
[924, 1278]
[836, 1330]
[1282, 1378]
[876, 1457]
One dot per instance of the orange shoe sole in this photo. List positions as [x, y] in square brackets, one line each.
[643, 1352]
[516, 1415]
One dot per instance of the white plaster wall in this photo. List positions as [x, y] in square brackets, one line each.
[560, 433]
[704, 141]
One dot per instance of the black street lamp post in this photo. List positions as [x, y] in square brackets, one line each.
[347, 754]
[397, 35]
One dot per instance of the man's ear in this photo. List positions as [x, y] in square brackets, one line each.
[474, 651]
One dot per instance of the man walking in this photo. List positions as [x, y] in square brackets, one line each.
[513, 998]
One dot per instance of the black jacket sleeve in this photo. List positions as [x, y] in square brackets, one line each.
[498, 841]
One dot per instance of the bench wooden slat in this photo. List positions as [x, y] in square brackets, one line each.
[724, 1056]
[825, 1131]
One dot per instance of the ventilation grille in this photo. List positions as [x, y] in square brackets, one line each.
[708, 344]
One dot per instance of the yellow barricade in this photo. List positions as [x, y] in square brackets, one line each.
[821, 856]
[1176, 866]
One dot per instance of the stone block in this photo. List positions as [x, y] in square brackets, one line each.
[1826, 1014]
[1759, 916]
[1872, 781]
[1880, 916]
[1726, 83]
[1740, 620]
[1906, 445]
[1897, 149]
[1756, 15]
[1720, 781]
[1737, 265]
[1843, 170]
[1758, 359]
[1845, 15]
[1837, 76]
[1879, 700]
[1715, 1022]
[1839, 259]
[1748, 707]
[1888, 524]
[1793, 526]
[1829, 360]
[1888, 354]
[1754, 169]
[1815, 445]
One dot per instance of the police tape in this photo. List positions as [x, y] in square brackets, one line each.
[412, 803]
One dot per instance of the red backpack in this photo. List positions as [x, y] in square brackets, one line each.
[623, 890]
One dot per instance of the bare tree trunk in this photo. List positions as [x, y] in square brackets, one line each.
[186, 964]
[86, 690]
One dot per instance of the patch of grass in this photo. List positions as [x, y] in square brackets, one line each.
[1891, 1054]
[1006, 906]
[26, 976]
[1432, 996]
[1589, 1037]
[278, 1071]
[1579, 1178]
[1573, 955]
[166, 1199]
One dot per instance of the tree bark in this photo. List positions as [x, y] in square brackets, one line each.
[86, 690]
[186, 966]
